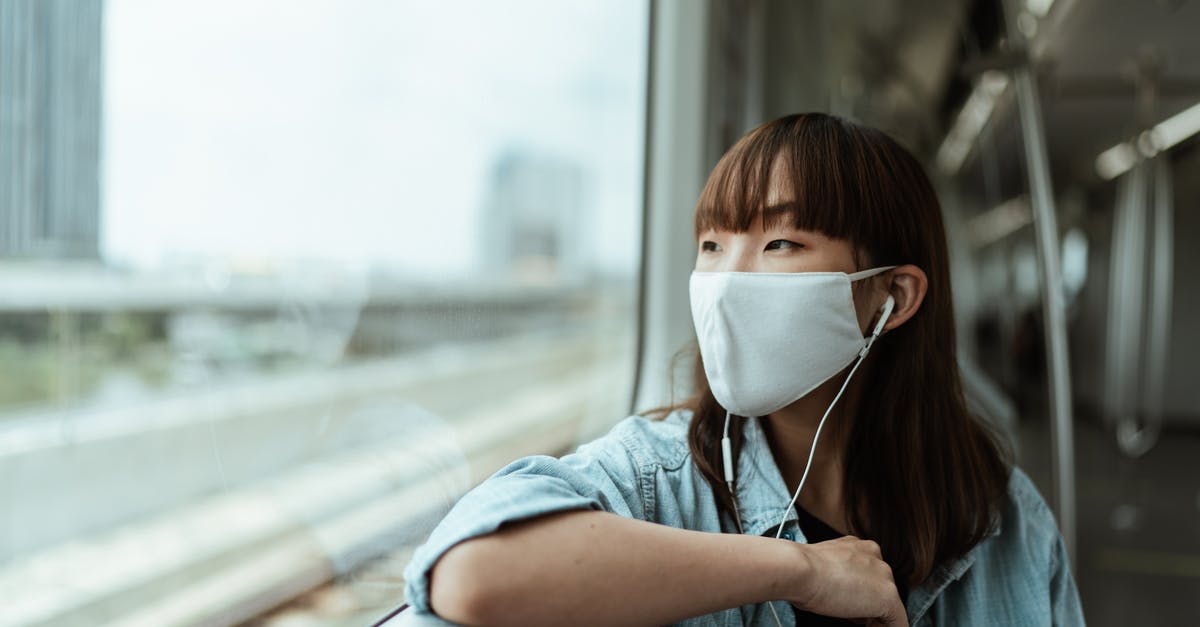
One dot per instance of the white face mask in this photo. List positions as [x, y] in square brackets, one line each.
[769, 338]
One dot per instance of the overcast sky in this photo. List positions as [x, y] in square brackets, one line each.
[360, 132]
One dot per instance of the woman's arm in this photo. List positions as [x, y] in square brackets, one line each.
[597, 568]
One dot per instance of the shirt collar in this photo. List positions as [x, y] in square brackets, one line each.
[924, 594]
[761, 492]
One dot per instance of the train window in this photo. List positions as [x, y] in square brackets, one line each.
[281, 280]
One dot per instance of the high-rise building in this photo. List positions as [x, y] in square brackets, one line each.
[532, 221]
[50, 116]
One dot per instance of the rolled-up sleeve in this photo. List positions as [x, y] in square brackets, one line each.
[603, 475]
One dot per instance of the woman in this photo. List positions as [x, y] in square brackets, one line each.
[826, 468]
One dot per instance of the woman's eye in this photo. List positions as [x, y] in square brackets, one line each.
[709, 246]
[782, 244]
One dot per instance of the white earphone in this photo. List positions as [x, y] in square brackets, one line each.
[888, 306]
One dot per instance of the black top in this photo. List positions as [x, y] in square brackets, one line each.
[815, 530]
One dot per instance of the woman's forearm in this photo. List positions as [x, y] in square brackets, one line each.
[596, 568]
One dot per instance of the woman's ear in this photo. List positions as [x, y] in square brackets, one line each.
[908, 287]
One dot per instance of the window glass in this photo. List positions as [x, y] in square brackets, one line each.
[281, 280]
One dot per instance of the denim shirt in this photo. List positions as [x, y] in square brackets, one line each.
[642, 469]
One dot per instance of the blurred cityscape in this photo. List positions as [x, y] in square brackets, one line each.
[172, 419]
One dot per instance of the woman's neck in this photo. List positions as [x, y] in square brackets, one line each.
[790, 433]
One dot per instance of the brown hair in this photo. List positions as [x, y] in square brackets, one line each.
[923, 477]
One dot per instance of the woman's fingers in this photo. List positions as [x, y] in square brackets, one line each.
[847, 578]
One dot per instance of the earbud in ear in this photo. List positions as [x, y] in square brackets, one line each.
[885, 313]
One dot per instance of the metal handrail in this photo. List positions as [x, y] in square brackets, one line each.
[1045, 224]
[1139, 312]
[1158, 344]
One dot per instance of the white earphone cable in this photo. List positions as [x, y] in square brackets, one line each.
[737, 514]
[727, 453]
[813, 449]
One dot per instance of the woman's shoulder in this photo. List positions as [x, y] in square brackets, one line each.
[660, 441]
[1027, 525]
[1019, 574]
[1026, 506]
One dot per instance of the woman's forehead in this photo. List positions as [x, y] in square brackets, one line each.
[769, 186]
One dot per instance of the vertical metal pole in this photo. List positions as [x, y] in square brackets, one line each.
[639, 350]
[1126, 301]
[1160, 289]
[1137, 439]
[677, 126]
[1045, 224]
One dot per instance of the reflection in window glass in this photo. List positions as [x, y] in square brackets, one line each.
[282, 279]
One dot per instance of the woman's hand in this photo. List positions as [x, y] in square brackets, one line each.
[847, 578]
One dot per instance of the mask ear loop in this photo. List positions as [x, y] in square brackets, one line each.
[885, 313]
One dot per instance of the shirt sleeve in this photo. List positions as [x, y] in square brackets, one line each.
[1064, 597]
[602, 476]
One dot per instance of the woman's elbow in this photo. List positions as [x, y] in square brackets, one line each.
[461, 588]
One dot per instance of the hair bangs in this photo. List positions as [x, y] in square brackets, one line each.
[818, 180]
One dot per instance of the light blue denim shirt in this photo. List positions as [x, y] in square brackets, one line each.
[642, 469]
